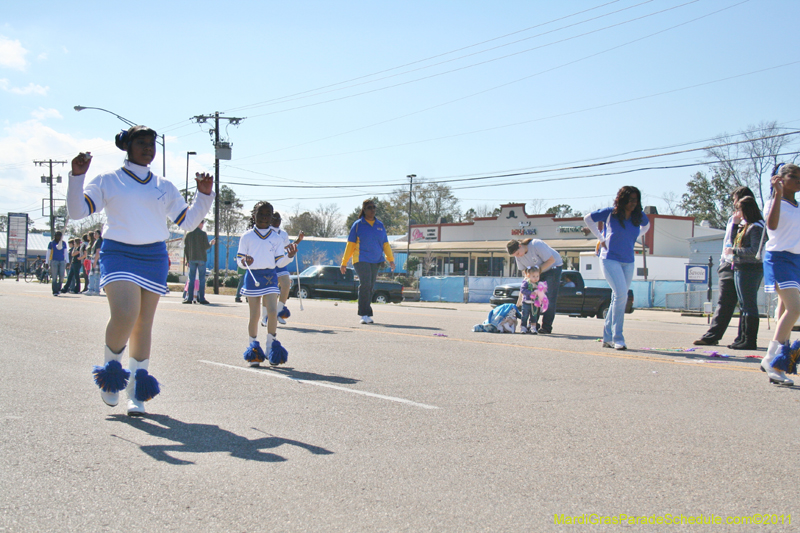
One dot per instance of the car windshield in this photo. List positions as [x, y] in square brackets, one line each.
[310, 271]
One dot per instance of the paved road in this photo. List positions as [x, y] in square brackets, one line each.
[412, 424]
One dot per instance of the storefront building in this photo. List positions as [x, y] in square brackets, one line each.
[478, 248]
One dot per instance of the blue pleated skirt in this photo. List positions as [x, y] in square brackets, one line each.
[146, 265]
[282, 271]
[781, 270]
[267, 282]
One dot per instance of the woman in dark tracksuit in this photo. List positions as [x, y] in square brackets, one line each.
[748, 270]
[366, 245]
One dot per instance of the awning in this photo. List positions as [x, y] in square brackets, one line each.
[560, 245]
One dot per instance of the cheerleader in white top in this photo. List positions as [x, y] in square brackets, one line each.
[782, 271]
[284, 283]
[261, 252]
[133, 256]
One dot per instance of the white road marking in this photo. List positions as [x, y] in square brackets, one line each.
[318, 384]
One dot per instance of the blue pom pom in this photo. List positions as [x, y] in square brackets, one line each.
[147, 387]
[254, 353]
[284, 313]
[477, 328]
[787, 359]
[277, 354]
[111, 377]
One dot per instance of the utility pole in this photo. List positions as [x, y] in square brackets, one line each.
[222, 150]
[408, 237]
[49, 180]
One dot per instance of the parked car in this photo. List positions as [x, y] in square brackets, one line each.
[574, 297]
[321, 281]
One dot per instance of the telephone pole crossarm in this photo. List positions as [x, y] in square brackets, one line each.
[220, 148]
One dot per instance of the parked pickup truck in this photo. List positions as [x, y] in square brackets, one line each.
[328, 282]
[574, 298]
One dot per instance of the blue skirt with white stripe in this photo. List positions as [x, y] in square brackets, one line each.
[781, 270]
[267, 282]
[282, 271]
[146, 265]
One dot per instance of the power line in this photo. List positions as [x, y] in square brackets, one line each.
[257, 104]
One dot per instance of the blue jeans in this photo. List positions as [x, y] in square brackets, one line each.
[240, 285]
[553, 279]
[747, 284]
[530, 315]
[619, 276]
[194, 268]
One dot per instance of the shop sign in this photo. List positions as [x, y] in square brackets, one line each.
[570, 229]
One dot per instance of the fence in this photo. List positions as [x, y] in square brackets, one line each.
[646, 294]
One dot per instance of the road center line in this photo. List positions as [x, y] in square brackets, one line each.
[318, 384]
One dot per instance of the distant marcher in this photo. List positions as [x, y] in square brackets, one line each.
[261, 251]
[624, 223]
[782, 271]
[284, 282]
[134, 262]
[366, 245]
[748, 269]
[57, 259]
[727, 299]
[536, 253]
[196, 246]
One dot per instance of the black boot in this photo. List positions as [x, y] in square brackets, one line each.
[749, 340]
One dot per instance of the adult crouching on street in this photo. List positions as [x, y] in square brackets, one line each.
[366, 245]
[623, 224]
[531, 253]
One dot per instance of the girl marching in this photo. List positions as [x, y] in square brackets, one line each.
[133, 256]
[261, 252]
[782, 271]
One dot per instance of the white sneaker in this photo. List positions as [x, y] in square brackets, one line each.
[263, 322]
[620, 346]
[369, 320]
[775, 375]
[280, 321]
[523, 329]
[365, 319]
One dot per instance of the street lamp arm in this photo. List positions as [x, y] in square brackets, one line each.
[123, 119]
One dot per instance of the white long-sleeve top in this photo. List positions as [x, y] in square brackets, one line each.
[266, 247]
[137, 204]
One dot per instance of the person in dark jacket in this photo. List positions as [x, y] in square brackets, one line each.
[196, 245]
[727, 299]
[747, 268]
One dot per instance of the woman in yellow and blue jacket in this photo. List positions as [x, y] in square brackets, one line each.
[366, 245]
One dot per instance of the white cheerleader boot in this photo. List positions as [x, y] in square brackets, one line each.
[281, 305]
[263, 316]
[141, 387]
[111, 377]
[775, 376]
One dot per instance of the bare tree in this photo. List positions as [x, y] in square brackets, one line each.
[750, 163]
[329, 221]
[673, 203]
[537, 206]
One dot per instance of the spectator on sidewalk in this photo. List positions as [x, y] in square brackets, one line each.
[197, 245]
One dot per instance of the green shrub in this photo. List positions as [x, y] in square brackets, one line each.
[172, 277]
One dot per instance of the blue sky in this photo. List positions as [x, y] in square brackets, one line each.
[356, 95]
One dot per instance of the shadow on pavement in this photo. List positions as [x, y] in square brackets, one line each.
[398, 326]
[307, 376]
[205, 438]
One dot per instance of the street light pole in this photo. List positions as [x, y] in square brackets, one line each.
[186, 199]
[131, 123]
[408, 237]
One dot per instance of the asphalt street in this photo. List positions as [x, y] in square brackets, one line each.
[414, 423]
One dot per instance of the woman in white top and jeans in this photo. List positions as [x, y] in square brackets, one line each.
[782, 271]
